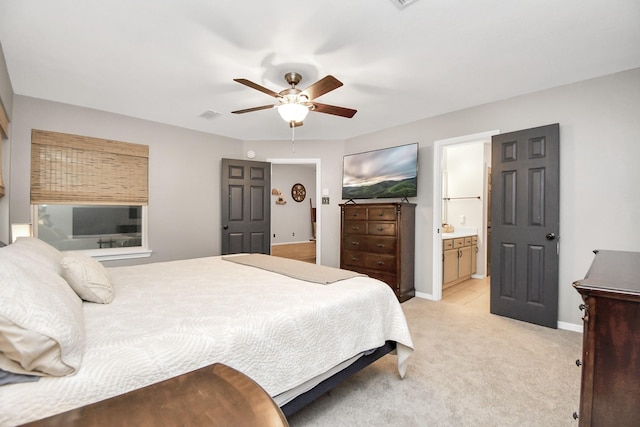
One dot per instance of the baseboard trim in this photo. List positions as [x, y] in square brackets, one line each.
[424, 295]
[570, 327]
[561, 325]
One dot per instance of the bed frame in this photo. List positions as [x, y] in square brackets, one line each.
[306, 398]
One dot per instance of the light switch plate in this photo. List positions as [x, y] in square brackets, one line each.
[325, 200]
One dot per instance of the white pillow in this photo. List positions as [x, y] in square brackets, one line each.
[88, 278]
[36, 250]
[41, 321]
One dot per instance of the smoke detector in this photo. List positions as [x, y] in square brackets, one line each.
[402, 3]
[210, 114]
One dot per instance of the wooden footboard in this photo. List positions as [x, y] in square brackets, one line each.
[306, 398]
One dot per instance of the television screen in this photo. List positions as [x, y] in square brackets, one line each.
[381, 174]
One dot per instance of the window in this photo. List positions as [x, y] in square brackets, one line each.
[90, 194]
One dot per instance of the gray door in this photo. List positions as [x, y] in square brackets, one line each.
[524, 225]
[246, 212]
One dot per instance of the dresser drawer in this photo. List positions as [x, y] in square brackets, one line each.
[379, 262]
[381, 214]
[467, 241]
[382, 228]
[447, 244]
[458, 243]
[355, 213]
[355, 227]
[374, 244]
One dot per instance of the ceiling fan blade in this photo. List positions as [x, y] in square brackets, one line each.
[257, 87]
[322, 86]
[332, 109]
[248, 110]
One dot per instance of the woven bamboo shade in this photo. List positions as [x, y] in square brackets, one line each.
[73, 169]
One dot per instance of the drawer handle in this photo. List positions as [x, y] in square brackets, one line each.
[380, 262]
[380, 245]
[380, 213]
[380, 228]
[578, 362]
[356, 213]
[355, 243]
[581, 307]
[575, 415]
[355, 228]
[354, 259]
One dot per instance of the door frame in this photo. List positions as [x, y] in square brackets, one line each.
[318, 198]
[438, 147]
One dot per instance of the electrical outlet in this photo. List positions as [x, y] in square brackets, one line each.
[325, 200]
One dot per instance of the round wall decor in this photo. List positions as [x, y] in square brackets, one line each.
[298, 192]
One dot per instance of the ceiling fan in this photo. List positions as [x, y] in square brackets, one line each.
[294, 104]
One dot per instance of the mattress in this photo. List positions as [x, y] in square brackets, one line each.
[173, 317]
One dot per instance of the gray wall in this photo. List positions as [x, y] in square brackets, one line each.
[599, 176]
[184, 172]
[6, 98]
[599, 132]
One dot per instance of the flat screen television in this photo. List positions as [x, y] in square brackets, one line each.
[381, 174]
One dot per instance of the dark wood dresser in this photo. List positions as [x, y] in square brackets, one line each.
[610, 389]
[378, 239]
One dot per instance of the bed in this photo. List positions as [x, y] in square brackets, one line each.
[296, 332]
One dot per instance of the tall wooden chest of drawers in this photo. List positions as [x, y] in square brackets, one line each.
[378, 239]
[610, 388]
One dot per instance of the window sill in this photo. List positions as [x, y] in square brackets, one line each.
[114, 254]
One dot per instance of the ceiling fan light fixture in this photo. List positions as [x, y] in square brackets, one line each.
[293, 112]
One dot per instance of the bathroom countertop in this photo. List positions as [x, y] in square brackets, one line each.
[460, 232]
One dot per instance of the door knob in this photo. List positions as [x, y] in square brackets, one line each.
[226, 227]
[550, 236]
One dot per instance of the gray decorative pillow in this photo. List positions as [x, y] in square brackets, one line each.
[87, 277]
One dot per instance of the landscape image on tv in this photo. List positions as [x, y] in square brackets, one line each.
[387, 173]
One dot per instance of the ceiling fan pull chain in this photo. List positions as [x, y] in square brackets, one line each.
[293, 134]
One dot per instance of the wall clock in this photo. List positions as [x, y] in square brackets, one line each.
[298, 192]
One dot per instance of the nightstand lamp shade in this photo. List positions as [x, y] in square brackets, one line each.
[20, 230]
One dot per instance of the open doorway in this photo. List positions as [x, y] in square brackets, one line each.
[460, 201]
[294, 231]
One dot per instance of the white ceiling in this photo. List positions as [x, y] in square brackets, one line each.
[171, 61]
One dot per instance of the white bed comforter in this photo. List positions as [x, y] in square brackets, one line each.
[173, 317]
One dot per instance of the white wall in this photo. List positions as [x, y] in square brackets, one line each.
[464, 165]
[465, 174]
[599, 151]
[291, 222]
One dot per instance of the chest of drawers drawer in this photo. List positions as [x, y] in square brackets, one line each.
[355, 213]
[374, 244]
[381, 228]
[355, 227]
[371, 261]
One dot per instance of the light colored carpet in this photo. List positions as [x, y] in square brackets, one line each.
[469, 368]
